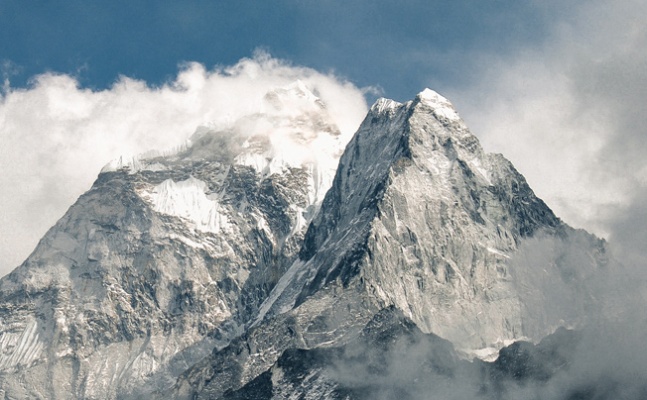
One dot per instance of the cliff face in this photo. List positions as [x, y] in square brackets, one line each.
[197, 270]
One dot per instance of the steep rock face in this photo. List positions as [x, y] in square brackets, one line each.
[421, 219]
[166, 257]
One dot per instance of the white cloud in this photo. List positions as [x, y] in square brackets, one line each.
[56, 136]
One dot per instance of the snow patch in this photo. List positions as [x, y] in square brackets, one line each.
[188, 200]
[497, 252]
[477, 166]
[384, 105]
[20, 347]
[142, 162]
[441, 106]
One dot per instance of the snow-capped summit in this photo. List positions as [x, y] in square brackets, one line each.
[441, 106]
[383, 105]
[293, 98]
[291, 128]
[294, 130]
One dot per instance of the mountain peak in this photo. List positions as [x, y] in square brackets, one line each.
[440, 105]
[291, 129]
[295, 97]
[383, 104]
[432, 95]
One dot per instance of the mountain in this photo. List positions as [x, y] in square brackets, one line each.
[194, 273]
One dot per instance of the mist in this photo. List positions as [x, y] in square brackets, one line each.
[603, 361]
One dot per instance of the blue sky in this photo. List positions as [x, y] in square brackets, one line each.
[398, 46]
[558, 87]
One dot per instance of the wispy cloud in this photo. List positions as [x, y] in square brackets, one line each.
[56, 135]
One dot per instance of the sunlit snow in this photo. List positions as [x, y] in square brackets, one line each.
[187, 200]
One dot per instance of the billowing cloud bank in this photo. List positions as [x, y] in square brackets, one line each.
[56, 136]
